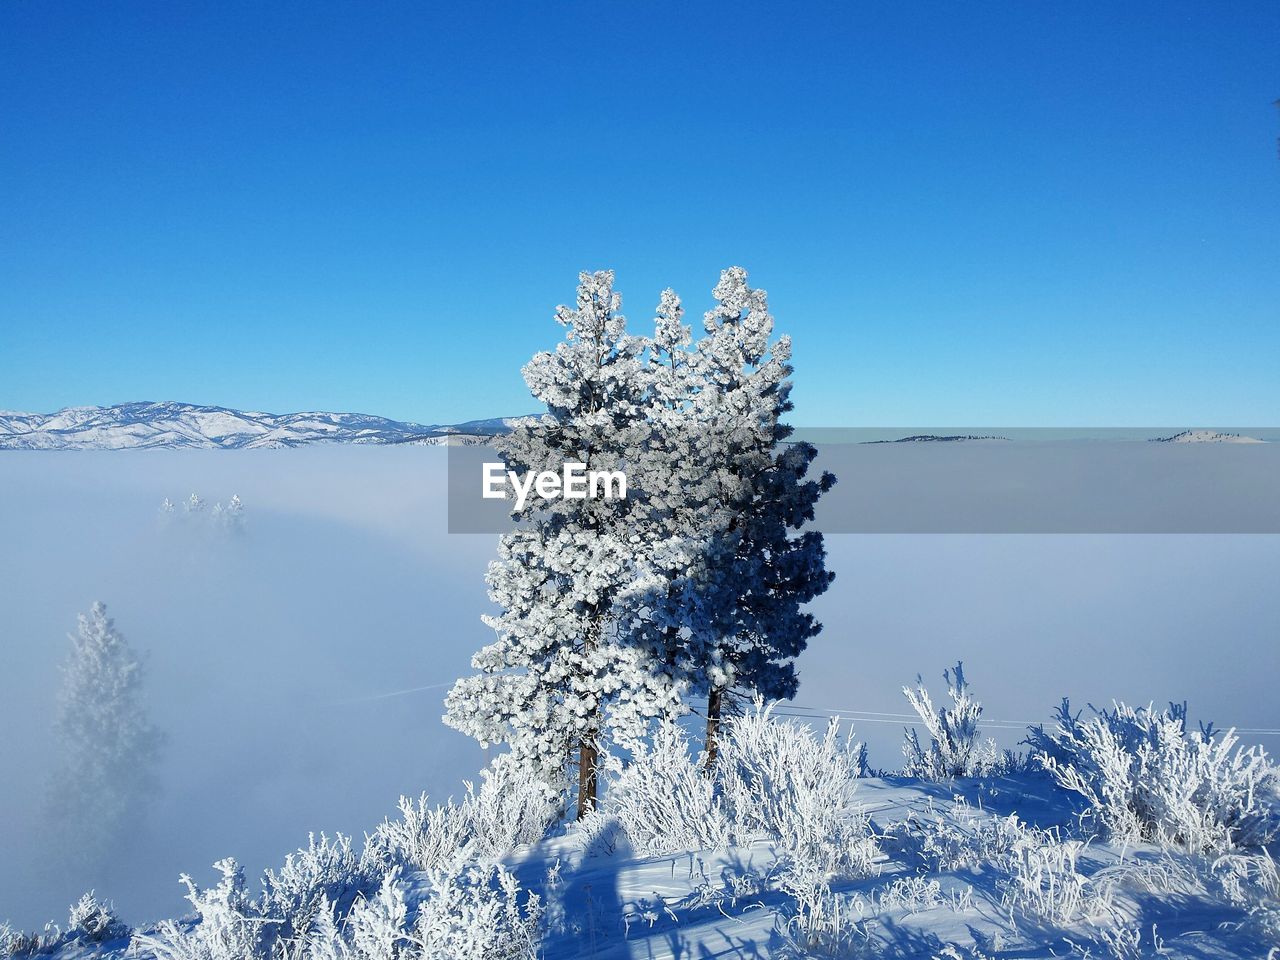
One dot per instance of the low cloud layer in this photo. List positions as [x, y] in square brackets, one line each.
[272, 651]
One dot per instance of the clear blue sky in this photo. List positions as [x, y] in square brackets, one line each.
[1017, 214]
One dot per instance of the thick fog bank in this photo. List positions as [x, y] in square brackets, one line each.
[274, 652]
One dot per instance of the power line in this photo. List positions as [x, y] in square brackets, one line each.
[810, 712]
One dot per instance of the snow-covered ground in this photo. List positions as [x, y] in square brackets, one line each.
[284, 664]
[965, 869]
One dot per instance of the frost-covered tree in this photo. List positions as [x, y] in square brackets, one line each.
[561, 679]
[614, 612]
[109, 747]
[727, 503]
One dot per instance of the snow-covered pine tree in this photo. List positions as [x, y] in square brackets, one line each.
[561, 678]
[109, 747]
[737, 574]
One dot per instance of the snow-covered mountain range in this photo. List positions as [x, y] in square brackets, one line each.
[146, 425]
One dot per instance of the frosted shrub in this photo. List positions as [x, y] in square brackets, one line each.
[1146, 777]
[961, 839]
[1044, 883]
[17, 943]
[512, 807]
[823, 925]
[781, 780]
[663, 801]
[324, 876]
[1126, 942]
[476, 914]
[1060, 745]
[954, 748]
[94, 921]
[911, 894]
[470, 914]
[375, 928]
[228, 927]
[11, 941]
[1251, 883]
[424, 838]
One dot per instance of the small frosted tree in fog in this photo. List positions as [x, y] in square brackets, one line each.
[230, 516]
[109, 746]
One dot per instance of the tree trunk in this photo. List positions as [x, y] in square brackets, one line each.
[715, 706]
[588, 755]
[587, 758]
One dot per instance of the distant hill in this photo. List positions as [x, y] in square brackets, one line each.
[936, 438]
[147, 425]
[1206, 436]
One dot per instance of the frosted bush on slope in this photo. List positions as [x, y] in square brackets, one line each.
[228, 927]
[374, 930]
[425, 837]
[959, 839]
[476, 914]
[328, 897]
[473, 913]
[954, 748]
[511, 808]
[779, 779]
[1044, 883]
[324, 876]
[775, 780]
[664, 801]
[1146, 777]
[1251, 883]
[823, 926]
[93, 921]
[18, 943]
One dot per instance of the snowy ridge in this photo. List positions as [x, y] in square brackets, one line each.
[147, 425]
